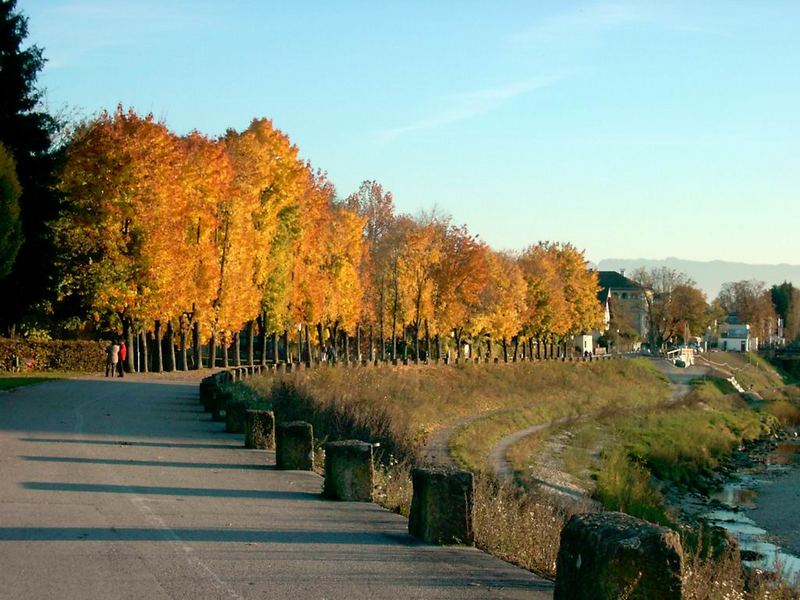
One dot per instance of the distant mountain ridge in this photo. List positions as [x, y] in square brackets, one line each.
[710, 275]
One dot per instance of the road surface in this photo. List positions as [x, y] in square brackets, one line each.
[126, 489]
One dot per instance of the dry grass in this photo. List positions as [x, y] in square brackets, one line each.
[564, 392]
[723, 578]
[520, 526]
[399, 407]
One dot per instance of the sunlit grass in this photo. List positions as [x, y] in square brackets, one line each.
[10, 381]
[587, 389]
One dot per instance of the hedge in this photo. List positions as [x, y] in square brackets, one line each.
[55, 355]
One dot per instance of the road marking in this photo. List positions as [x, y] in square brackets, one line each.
[188, 553]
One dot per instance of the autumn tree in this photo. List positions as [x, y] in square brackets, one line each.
[502, 302]
[379, 265]
[123, 222]
[205, 178]
[751, 303]
[460, 277]
[580, 287]
[341, 269]
[418, 259]
[672, 302]
[546, 311]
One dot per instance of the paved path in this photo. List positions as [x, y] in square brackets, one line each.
[125, 489]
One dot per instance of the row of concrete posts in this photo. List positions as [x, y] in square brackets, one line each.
[602, 555]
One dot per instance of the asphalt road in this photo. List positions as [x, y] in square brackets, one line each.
[126, 489]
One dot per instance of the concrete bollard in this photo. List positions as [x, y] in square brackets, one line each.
[349, 472]
[259, 429]
[235, 415]
[613, 555]
[208, 387]
[294, 447]
[441, 506]
[219, 405]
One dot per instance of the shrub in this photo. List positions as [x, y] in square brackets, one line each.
[54, 355]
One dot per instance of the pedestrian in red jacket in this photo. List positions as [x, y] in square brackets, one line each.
[123, 352]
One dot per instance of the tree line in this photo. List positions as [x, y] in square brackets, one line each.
[200, 239]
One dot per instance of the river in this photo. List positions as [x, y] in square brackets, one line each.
[762, 510]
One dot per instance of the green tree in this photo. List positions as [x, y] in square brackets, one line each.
[10, 225]
[26, 131]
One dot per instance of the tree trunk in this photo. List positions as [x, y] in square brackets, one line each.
[552, 342]
[275, 356]
[438, 347]
[225, 351]
[371, 345]
[184, 357]
[144, 367]
[212, 351]
[196, 345]
[515, 340]
[382, 339]
[127, 334]
[321, 339]
[309, 359]
[262, 332]
[457, 338]
[237, 352]
[300, 344]
[405, 342]
[159, 367]
[427, 342]
[416, 340]
[346, 347]
[358, 343]
[505, 349]
[251, 334]
[286, 346]
[170, 362]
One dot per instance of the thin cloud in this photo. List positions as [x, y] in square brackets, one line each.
[579, 24]
[584, 24]
[78, 27]
[469, 105]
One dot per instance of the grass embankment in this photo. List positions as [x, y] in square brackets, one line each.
[751, 370]
[10, 381]
[622, 460]
[561, 392]
[628, 461]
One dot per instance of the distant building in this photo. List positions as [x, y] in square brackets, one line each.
[735, 337]
[624, 300]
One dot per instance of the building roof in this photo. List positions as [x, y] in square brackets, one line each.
[615, 280]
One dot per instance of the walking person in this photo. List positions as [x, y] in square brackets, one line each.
[123, 353]
[112, 358]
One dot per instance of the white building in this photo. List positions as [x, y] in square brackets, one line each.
[736, 338]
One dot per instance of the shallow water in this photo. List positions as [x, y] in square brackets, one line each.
[760, 511]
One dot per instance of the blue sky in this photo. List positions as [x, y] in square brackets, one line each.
[629, 129]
